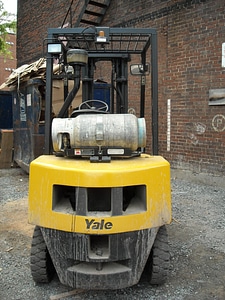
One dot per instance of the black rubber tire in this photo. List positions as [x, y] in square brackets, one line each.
[42, 268]
[159, 259]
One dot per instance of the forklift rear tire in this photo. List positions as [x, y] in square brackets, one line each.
[159, 259]
[42, 268]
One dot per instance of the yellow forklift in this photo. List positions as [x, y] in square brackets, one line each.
[99, 203]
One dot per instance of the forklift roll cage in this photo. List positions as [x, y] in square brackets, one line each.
[115, 45]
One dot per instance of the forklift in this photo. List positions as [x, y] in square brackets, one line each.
[100, 204]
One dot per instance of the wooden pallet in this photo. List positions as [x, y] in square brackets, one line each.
[6, 148]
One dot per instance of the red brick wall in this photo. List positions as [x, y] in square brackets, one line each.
[33, 21]
[190, 37]
[193, 68]
[8, 64]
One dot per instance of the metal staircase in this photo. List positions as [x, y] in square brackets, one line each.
[92, 13]
[86, 12]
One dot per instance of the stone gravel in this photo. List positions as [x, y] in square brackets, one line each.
[196, 238]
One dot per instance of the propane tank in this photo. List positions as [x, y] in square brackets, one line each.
[101, 130]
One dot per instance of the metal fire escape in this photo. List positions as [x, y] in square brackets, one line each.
[91, 12]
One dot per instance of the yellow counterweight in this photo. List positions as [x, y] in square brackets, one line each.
[150, 207]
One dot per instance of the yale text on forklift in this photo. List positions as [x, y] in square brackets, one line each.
[94, 225]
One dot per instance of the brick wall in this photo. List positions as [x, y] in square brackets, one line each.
[190, 37]
[8, 64]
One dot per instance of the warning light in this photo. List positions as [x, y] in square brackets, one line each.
[101, 38]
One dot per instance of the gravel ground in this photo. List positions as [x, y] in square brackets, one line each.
[196, 238]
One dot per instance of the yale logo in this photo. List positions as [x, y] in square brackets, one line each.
[94, 225]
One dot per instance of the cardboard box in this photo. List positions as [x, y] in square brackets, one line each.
[58, 95]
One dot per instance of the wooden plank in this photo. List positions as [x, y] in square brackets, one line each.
[6, 148]
[66, 294]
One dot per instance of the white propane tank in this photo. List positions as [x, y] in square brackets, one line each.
[101, 130]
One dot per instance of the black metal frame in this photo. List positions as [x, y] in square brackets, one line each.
[121, 43]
